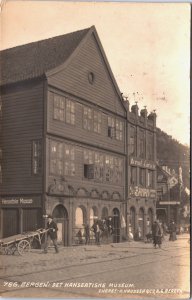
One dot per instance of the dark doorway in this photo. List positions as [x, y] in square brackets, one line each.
[60, 216]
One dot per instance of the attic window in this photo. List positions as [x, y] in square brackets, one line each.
[91, 77]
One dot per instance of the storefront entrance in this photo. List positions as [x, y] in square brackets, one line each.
[141, 223]
[132, 221]
[60, 216]
[116, 225]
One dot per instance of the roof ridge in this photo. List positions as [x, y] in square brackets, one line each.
[50, 38]
[34, 59]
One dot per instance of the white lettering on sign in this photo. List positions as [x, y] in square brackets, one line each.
[142, 192]
[169, 202]
[16, 201]
[142, 163]
[10, 201]
[26, 201]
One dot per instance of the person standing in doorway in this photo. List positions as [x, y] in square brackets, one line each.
[51, 234]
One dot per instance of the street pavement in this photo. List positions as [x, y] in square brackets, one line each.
[124, 270]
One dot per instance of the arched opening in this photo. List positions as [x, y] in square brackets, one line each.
[93, 215]
[80, 220]
[141, 223]
[60, 216]
[132, 221]
[104, 213]
[149, 220]
[116, 225]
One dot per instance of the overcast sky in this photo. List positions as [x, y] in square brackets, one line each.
[147, 46]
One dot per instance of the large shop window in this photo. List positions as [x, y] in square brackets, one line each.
[62, 159]
[115, 128]
[142, 177]
[36, 157]
[134, 175]
[150, 178]
[63, 109]
[104, 168]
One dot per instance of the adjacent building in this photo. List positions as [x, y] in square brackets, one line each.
[69, 145]
[141, 171]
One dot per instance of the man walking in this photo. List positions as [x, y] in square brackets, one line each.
[51, 234]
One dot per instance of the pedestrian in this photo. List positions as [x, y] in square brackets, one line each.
[157, 234]
[97, 232]
[51, 234]
[87, 234]
[172, 231]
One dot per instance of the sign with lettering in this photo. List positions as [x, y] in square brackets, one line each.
[169, 202]
[143, 163]
[20, 201]
[137, 191]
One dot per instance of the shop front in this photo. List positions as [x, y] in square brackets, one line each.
[20, 214]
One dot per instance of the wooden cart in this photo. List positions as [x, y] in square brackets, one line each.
[21, 243]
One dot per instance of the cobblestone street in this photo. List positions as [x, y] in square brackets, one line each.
[130, 269]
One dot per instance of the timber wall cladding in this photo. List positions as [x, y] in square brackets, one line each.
[101, 95]
[74, 78]
[22, 122]
[78, 133]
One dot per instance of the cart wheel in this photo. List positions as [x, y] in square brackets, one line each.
[23, 247]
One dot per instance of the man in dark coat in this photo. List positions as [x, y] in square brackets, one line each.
[87, 234]
[51, 234]
[172, 230]
[157, 234]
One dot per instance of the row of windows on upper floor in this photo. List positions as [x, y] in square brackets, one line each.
[63, 161]
[64, 110]
[145, 177]
[97, 166]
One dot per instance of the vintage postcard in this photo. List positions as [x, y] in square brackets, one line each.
[94, 150]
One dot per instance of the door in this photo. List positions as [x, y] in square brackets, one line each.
[10, 221]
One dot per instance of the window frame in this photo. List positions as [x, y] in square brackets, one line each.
[36, 157]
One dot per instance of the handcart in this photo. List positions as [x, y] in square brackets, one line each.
[21, 243]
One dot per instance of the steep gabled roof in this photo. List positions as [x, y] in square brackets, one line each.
[34, 59]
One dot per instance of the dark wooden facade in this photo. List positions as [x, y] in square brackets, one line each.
[65, 139]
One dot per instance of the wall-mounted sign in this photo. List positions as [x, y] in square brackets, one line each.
[169, 202]
[138, 162]
[21, 201]
[137, 191]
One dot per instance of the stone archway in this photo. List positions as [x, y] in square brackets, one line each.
[141, 222]
[93, 215]
[133, 220]
[149, 220]
[60, 216]
[104, 213]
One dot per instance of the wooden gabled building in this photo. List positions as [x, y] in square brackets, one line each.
[63, 136]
